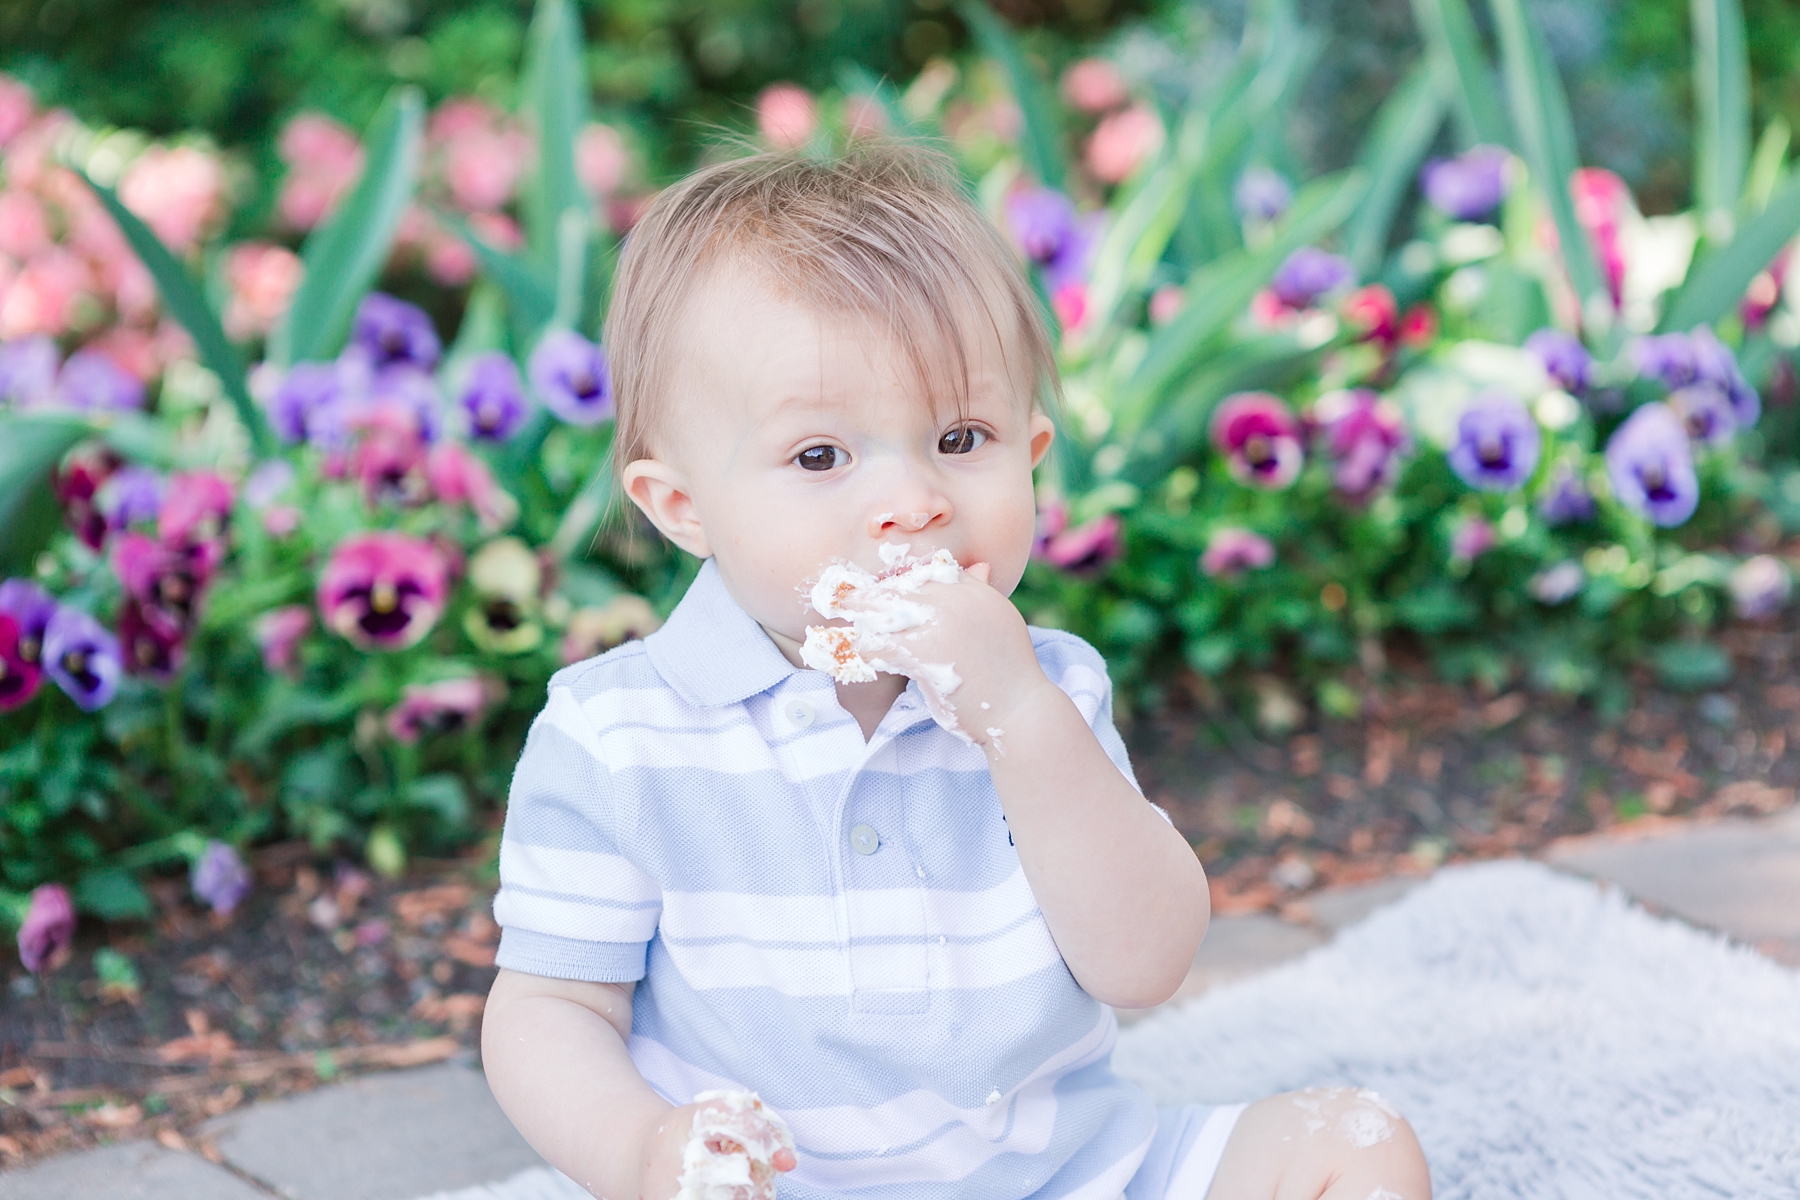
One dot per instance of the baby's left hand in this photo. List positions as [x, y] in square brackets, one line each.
[980, 634]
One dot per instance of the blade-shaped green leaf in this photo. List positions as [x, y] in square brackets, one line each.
[1219, 292]
[1540, 113]
[1722, 101]
[183, 300]
[1766, 166]
[1042, 142]
[1452, 42]
[1718, 282]
[1405, 127]
[1134, 243]
[1178, 429]
[555, 107]
[30, 448]
[344, 256]
[530, 297]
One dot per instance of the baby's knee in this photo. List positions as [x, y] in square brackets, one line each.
[1340, 1142]
[1357, 1117]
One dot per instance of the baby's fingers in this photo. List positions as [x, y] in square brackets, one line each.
[784, 1160]
[978, 570]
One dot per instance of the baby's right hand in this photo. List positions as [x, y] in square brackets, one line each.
[724, 1146]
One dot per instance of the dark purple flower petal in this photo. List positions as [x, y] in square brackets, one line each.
[82, 657]
[1260, 438]
[28, 371]
[19, 676]
[392, 331]
[1564, 358]
[493, 397]
[1364, 435]
[1706, 411]
[92, 382]
[1469, 186]
[32, 607]
[219, 877]
[1262, 194]
[1310, 273]
[1041, 220]
[1651, 466]
[569, 374]
[1497, 443]
[1073, 260]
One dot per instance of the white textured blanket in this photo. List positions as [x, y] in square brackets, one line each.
[1547, 1039]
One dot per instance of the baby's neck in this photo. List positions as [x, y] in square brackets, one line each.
[867, 702]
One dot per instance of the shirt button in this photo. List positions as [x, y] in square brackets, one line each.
[798, 712]
[864, 839]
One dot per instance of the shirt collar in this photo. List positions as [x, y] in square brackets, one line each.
[711, 651]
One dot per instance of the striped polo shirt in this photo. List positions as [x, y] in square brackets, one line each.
[841, 925]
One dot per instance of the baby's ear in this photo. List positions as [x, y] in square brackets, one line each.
[662, 493]
[1043, 432]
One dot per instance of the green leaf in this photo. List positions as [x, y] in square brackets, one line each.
[111, 895]
[1453, 44]
[1405, 127]
[1722, 101]
[1178, 427]
[444, 795]
[30, 448]
[530, 294]
[1042, 143]
[1715, 286]
[1218, 293]
[1540, 112]
[183, 300]
[554, 105]
[1767, 165]
[344, 256]
[1691, 665]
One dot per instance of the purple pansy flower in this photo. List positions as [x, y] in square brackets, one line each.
[1045, 226]
[570, 376]
[1706, 411]
[1364, 435]
[220, 877]
[1651, 466]
[48, 929]
[493, 397]
[1497, 443]
[308, 389]
[1564, 359]
[82, 657]
[32, 607]
[392, 331]
[1310, 273]
[1260, 438]
[92, 382]
[1231, 551]
[1262, 194]
[1469, 186]
[1681, 359]
[1565, 499]
[407, 389]
[1759, 587]
[28, 370]
[148, 643]
[130, 495]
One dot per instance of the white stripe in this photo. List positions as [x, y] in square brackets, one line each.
[586, 873]
[656, 706]
[563, 713]
[1194, 1175]
[569, 919]
[875, 912]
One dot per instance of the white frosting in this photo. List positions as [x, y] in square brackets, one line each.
[878, 609]
[731, 1150]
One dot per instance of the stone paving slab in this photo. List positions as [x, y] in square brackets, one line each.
[394, 1136]
[130, 1171]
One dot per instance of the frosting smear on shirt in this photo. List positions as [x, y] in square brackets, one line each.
[880, 609]
[731, 1150]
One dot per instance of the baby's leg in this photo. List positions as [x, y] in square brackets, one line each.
[1321, 1144]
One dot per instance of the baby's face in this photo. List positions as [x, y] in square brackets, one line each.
[795, 439]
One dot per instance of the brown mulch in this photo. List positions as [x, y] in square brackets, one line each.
[326, 971]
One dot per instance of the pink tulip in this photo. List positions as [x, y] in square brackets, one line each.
[24, 227]
[482, 164]
[263, 278]
[178, 191]
[448, 259]
[324, 160]
[1601, 203]
[1094, 85]
[601, 160]
[447, 706]
[136, 351]
[1232, 551]
[1122, 142]
[42, 297]
[383, 591]
[48, 929]
[1070, 302]
[786, 116]
[16, 108]
[458, 476]
[279, 633]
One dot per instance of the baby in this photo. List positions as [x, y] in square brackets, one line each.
[893, 898]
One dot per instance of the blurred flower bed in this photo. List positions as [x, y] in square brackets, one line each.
[297, 526]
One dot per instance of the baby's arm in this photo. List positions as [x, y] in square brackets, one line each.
[554, 1050]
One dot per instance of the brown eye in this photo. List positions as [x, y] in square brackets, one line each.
[818, 458]
[961, 440]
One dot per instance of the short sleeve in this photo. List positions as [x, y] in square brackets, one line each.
[572, 904]
[1077, 668]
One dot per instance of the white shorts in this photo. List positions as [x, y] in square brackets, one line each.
[1184, 1152]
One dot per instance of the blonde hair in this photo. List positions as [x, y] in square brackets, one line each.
[884, 229]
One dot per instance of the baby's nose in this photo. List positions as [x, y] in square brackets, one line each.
[884, 523]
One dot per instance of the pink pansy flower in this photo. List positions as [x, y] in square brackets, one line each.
[1093, 85]
[1052, 519]
[1122, 142]
[148, 645]
[20, 672]
[196, 509]
[601, 160]
[383, 591]
[448, 706]
[24, 226]
[1375, 315]
[1260, 439]
[1232, 551]
[388, 458]
[262, 278]
[166, 582]
[1088, 548]
[279, 633]
[48, 929]
[786, 115]
[1364, 436]
[459, 476]
[178, 191]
